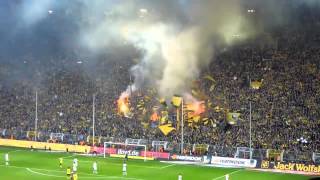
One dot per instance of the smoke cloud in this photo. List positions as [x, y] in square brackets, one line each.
[33, 11]
[175, 39]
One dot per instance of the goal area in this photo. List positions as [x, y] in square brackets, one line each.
[135, 151]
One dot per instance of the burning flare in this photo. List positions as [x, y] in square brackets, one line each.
[124, 105]
[197, 107]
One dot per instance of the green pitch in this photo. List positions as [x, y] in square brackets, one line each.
[38, 165]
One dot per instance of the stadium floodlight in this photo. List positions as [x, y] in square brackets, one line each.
[125, 145]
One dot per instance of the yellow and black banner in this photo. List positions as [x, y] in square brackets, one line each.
[289, 166]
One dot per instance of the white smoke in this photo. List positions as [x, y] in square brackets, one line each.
[33, 11]
[175, 38]
[173, 52]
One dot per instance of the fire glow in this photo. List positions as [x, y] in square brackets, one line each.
[197, 107]
[124, 105]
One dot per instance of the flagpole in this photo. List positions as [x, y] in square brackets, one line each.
[130, 85]
[250, 132]
[36, 118]
[93, 119]
[182, 124]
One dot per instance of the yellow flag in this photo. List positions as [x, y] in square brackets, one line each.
[163, 101]
[176, 100]
[205, 120]
[232, 118]
[256, 84]
[164, 117]
[210, 78]
[145, 125]
[217, 109]
[166, 129]
[196, 118]
[212, 87]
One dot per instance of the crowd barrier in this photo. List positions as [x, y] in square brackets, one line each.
[45, 145]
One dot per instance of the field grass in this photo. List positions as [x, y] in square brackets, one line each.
[39, 165]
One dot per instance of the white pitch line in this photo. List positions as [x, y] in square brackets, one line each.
[115, 163]
[83, 177]
[14, 151]
[233, 172]
[64, 157]
[34, 172]
[167, 166]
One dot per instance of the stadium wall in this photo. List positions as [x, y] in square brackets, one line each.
[45, 145]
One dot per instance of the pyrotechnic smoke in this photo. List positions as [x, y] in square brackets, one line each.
[33, 11]
[174, 46]
[176, 39]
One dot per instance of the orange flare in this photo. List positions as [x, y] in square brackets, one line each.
[123, 104]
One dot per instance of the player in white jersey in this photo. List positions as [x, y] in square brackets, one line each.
[95, 167]
[74, 167]
[75, 162]
[124, 169]
[6, 158]
[227, 176]
[180, 177]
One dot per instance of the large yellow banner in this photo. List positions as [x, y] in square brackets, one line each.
[44, 145]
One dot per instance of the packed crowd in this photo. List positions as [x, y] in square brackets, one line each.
[285, 105]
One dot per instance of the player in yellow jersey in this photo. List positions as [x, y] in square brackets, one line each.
[60, 162]
[75, 176]
[68, 172]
